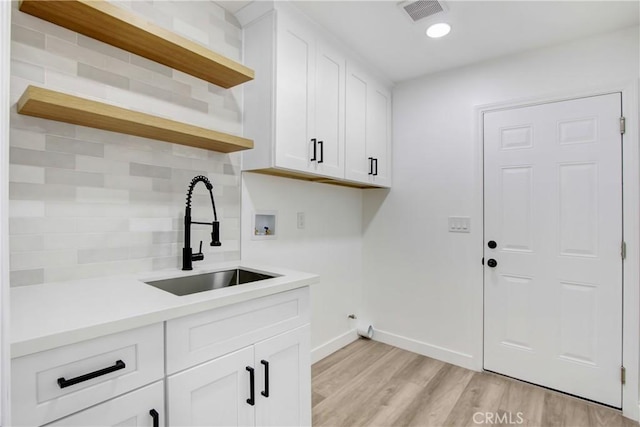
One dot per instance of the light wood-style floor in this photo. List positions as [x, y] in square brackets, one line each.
[372, 384]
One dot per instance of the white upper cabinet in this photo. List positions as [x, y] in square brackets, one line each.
[329, 110]
[296, 109]
[368, 130]
[294, 89]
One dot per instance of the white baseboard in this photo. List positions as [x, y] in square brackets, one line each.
[436, 352]
[333, 345]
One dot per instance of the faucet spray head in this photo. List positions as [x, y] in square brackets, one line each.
[215, 234]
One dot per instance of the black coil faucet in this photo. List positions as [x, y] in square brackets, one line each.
[187, 254]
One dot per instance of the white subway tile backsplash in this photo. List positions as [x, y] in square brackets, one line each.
[103, 48]
[99, 165]
[77, 179]
[27, 71]
[27, 243]
[74, 85]
[44, 259]
[26, 174]
[71, 51]
[22, 156]
[26, 277]
[102, 76]
[150, 224]
[42, 57]
[83, 271]
[22, 191]
[86, 202]
[190, 31]
[151, 65]
[17, 86]
[101, 195]
[87, 256]
[26, 208]
[27, 36]
[126, 182]
[73, 146]
[26, 139]
[151, 171]
[34, 124]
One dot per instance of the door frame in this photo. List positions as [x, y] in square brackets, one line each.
[630, 224]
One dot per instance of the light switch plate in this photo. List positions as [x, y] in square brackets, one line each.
[301, 220]
[459, 224]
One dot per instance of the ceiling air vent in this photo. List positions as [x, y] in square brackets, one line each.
[421, 9]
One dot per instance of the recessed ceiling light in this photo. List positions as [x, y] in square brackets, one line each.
[438, 30]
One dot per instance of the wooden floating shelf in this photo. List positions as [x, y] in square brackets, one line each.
[103, 21]
[52, 105]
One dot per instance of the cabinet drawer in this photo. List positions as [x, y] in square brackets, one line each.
[131, 409]
[200, 337]
[52, 384]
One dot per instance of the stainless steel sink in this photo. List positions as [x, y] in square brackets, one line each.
[205, 282]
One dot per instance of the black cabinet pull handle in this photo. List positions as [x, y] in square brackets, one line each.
[492, 263]
[265, 393]
[321, 144]
[252, 385]
[86, 377]
[370, 165]
[156, 417]
[376, 162]
[314, 158]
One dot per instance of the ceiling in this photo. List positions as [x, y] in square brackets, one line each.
[385, 36]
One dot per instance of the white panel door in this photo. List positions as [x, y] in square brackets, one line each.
[553, 207]
[141, 408]
[213, 394]
[329, 111]
[286, 360]
[295, 86]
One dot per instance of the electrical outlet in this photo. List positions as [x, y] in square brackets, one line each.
[301, 220]
[459, 224]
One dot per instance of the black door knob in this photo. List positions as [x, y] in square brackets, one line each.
[492, 244]
[492, 263]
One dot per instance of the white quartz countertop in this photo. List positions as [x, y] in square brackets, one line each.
[52, 315]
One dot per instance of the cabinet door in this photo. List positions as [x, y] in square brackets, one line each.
[329, 109]
[379, 133]
[132, 409]
[289, 386]
[357, 165]
[295, 53]
[212, 394]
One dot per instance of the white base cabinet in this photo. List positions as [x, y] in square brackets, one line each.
[267, 384]
[212, 394]
[287, 399]
[244, 364]
[140, 408]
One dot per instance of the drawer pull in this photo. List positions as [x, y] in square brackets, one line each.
[156, 417]
[265, 393]
[252, 385]
[86, 377]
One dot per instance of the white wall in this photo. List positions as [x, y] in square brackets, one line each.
[330, 245]
[423, 284]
